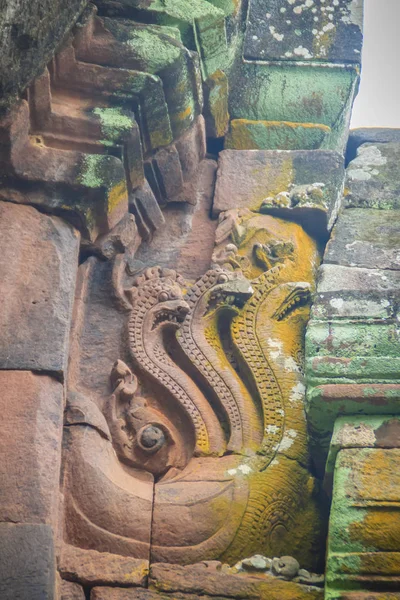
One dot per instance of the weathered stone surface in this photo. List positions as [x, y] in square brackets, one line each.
[367, 239]
[27, 562]
[216, 108]
[326, 402]
[99, 493]
[39, 259]
[30, 447]
[361, 432]
[168, 171]
[209, 579]
[89, 189]
[373, 177]
[304, 32]
[191, 147]
[89, 567]
[144, 205]
[124, 237]
[179, 243]
[108, 593]
[295, 92]
[248, 178]
[71, 591]
[191, 16]
[370, 135]
[275, 135]
[356, 293]
[363, 547]
[366, 595]
[30, 32]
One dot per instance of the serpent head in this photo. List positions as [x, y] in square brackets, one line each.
[229, 291]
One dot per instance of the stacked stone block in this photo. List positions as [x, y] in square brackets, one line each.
[353, 375]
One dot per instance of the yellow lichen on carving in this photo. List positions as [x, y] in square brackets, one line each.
[117, 194]
[185, 113]
[282, 515]
[280, 259]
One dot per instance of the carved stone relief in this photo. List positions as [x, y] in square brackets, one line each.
[194, 447]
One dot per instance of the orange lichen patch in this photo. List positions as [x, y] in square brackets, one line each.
[185, 113]
[380, 563]
[380, 529]
[378, 477]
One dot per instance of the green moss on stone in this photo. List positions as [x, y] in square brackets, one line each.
[114, 123]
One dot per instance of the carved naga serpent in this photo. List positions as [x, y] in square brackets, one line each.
[256, 365]
[219, 293]
[158, 305]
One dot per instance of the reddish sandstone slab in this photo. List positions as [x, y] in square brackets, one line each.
[208, 578]
[71, 591]
[38, 262]
[31, 407]
[90, 567]
[111, 593]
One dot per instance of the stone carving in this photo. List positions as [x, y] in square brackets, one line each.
[207, 405]
[218, 296]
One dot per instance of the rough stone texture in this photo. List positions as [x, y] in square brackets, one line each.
[361, 432]
[208, 579]
[27, 562]
[373, 177]
[275, 135]
[71, 591]
[352, 353]
[179, 243]
[365, 238]
[304, 32]
[39, 259]
[89, 567]
[366, 595]
[30, 446]
[144, 205]
[124, 237]
[106, 593]
[99, 494]
[245, 179]
[363, 546]
[370, 135]
[324, 99]
[30, 32]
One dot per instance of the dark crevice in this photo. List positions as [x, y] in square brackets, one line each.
[214, 147]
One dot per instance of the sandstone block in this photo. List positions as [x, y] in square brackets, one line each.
[363, 548]
[373, 177]
[90, 567]
[256, 179]
[30, 446]
[191, 147]
[38, 263]
[29, 35]
[370, 135]
[368, 239]
[71, 591]
[27, 562]
[273, 34]
[275, 135]
[208, 579]
[109, 593]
